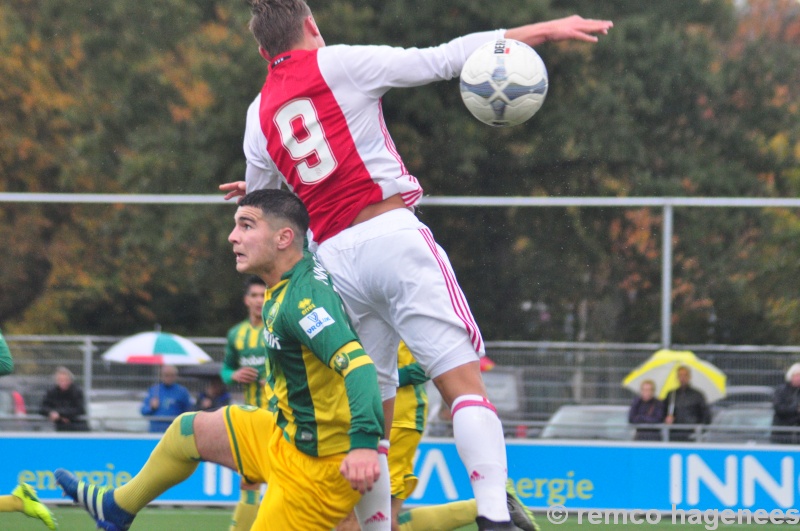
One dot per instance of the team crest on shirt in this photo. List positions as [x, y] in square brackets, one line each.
[315, 322]
[341, 362]
[272, 314]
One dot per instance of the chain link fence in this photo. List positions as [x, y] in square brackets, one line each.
[529, 383]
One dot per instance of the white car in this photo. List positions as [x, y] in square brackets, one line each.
[119, 416]
[604, 422]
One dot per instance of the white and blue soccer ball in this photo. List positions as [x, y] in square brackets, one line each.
[504, 83]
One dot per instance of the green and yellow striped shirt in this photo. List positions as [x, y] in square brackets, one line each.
[245, 348]
[326, 386]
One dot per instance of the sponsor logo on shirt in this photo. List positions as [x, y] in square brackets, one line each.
[271, 340]
[251, 361]
[306, 306]
[314, 322]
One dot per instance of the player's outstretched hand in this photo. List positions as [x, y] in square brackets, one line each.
[360, 467]
[574, 27]
[235, 189]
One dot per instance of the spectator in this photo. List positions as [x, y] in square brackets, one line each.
[166, 399]
[786, 404]
[64, 404]
[647, 409]
[685, 405]
[214, 396]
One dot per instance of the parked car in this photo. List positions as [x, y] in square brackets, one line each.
[118, 415]
[117, 410]
[741, 424]
[741, 395]
[604, 422]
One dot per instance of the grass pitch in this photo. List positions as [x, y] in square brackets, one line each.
[208, 519]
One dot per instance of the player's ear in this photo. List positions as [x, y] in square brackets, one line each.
[311, 26]
[263, 53]
[286, 238]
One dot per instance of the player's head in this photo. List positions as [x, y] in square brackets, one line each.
[269, 232]
[278, 25]
[254, 289]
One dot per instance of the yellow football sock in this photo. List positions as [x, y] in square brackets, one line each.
[174, 459]
[439, 517]
[10, 504]
[246, 510]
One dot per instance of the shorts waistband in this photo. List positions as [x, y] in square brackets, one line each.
[399, 218]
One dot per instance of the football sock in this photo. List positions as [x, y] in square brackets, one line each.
[439, 517]
[173, 460]
[374, 510]
[246, 510]
[479, 440]
[10, 504]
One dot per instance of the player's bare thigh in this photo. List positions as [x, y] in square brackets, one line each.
[462, 380]
[211, 438]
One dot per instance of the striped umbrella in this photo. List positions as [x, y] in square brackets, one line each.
[156, 348]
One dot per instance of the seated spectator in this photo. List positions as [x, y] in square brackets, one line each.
[214, 396]
[647, 409]
[786, 404]
[166, 399]
[63, 404]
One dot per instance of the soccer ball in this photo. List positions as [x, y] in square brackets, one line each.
[503, 83]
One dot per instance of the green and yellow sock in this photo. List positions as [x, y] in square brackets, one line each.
[439, 517]
[173, 460]
[10, 504]
[246, 510]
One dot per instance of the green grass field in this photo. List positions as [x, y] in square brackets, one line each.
[202, 519]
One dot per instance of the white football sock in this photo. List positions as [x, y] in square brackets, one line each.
[374, 510]
[482, 448]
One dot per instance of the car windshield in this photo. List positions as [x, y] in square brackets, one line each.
[589, 423]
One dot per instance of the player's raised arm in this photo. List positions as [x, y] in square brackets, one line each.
[574, 27]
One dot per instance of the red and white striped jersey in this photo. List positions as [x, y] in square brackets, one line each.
[318, 125]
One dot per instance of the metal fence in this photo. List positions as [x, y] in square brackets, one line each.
[531, 379]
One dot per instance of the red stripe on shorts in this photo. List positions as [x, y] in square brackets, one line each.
[457, 299]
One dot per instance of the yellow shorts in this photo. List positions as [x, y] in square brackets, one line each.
[305, 493]
[403, 444]
[249, 431]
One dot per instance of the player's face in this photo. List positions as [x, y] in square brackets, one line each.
[254, 299]
[253, 242]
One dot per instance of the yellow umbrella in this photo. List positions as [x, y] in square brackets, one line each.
[662, 369]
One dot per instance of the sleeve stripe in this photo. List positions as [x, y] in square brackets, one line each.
[356, 363]
[349, 347]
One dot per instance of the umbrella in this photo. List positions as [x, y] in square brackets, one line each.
[156, 348]
[662, 368]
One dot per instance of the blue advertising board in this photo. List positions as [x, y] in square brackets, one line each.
[648, 476]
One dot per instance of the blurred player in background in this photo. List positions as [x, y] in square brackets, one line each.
[319, 452]
[244, 363]
[318, 126]
[410, 418]
[23, 498]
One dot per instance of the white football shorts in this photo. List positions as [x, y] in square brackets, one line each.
[397, 283]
